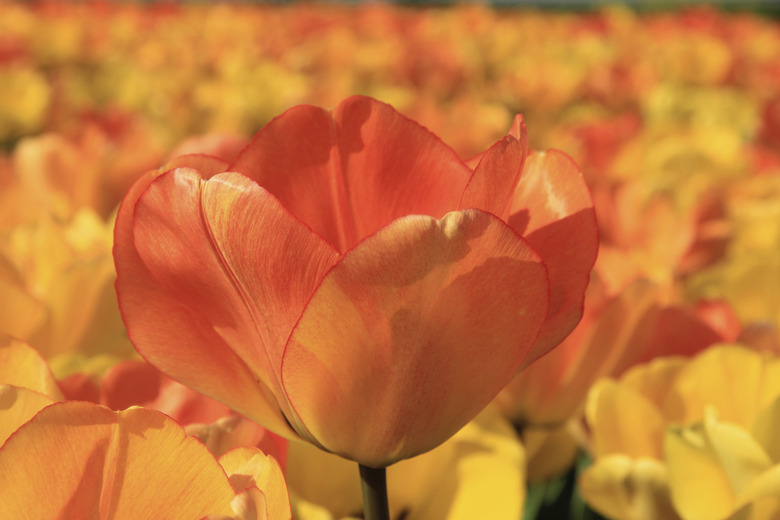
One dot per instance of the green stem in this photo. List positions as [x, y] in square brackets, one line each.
[373, 482]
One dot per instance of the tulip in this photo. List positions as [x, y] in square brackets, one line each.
[676, 430]
[349, 280]
[82, 460]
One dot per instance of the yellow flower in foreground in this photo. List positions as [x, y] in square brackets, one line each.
[478, 473]
[687, 439]
[735, 468]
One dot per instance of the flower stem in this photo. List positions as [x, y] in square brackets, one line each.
[373, 482]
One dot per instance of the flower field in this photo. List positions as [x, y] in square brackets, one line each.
[519, 263]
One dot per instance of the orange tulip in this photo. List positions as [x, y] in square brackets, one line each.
[351, 281]
[81, 460]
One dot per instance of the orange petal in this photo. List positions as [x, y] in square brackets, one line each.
[22, 366]
[182, 341]
[80, 460]
[412, 333]
[553, 209]
[249, 467]
[137, 383]
[274, 260]
[17, 406]
[80, 387]
[672, 331]
[497, 174]
[352, 171]
[231, 432]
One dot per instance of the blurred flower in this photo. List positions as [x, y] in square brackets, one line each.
[93, 168]
[617, 332]
[331, 241]
[751, 263]
[31, 95]
[477, 473]
[687, 439]
[60, 297]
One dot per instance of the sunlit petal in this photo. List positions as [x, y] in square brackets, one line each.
[416, 305]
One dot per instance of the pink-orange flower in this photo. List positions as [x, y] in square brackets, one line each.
[352, 281]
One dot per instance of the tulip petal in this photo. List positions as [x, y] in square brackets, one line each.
[623, 421]
[249, 467]
[553, 209]
[551, 451]
[730, 378]
[765, 428]
[137, 383]
[181, 341]
[275, 260]
[497, 175]
[22, 366]
[694, 472]
[487, 482]
[330, 169]
[544, 198]
[94, 463]
[765, 485]
[21, 313]
[227, 433]
[17, 406]
[618, 486]
[412, 333]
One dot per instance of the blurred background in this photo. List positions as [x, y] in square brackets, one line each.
[671, 110]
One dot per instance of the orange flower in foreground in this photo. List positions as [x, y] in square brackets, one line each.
[82, 460]
[351, 281]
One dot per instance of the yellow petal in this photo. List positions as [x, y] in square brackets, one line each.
[91, 462]
[21, 313]
[551, 451]
[654, 381]
[483, 478]
[763, 493]
[22, 366]
[623, 421]
[765, 430]
[693, 474]
[623, 488]
[249, 467]
[17, 406]
[727, 377]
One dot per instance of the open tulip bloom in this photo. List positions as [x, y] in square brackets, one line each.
[349, 280]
